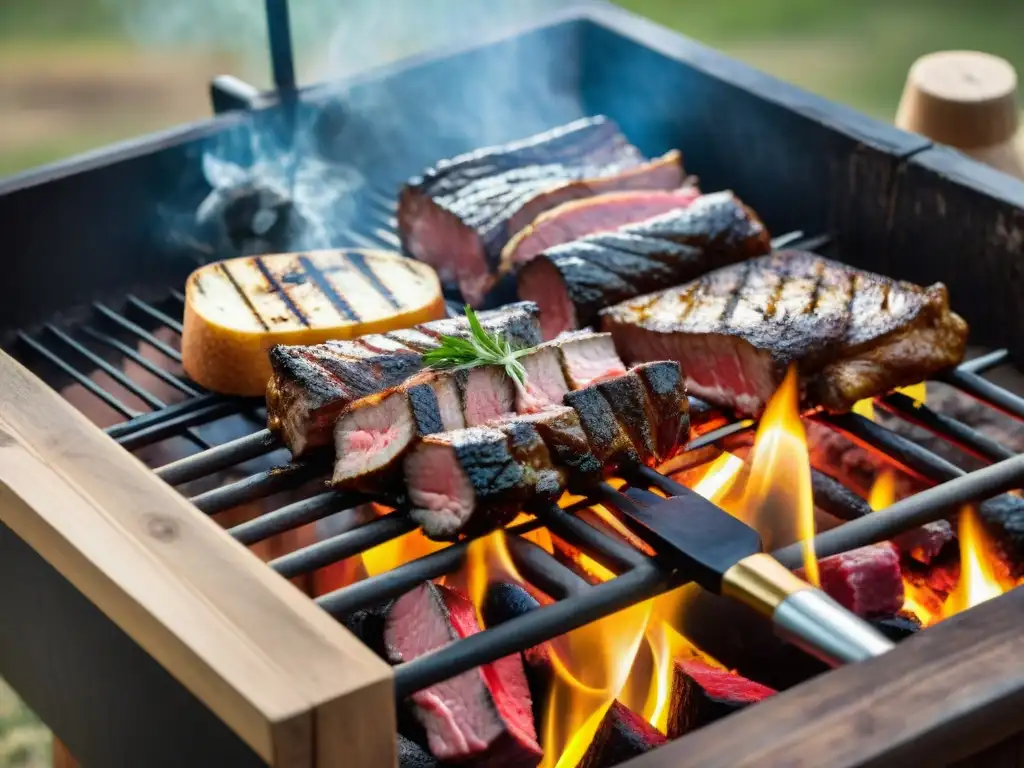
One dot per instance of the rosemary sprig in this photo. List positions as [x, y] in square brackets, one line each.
[480, 348]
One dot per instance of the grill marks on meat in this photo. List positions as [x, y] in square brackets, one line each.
[312, 385]
[572, 282]
[608, 439]
[482, 717]
[670, 407]
[578, 218]
[853, 334]
[458, 216]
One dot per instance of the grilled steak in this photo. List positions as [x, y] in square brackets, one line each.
[575, 219]
[373, 433]
[453, 474]
[481, 718]
[588, 358]
[608, 439]
[458, 215]
[313, 384]
[628, 398]
[572, 282]
[853, 334]
[670, 407]
[560, 428]
[543, 479]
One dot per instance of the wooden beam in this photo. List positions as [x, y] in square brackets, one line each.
[945, 694]
[283, 675]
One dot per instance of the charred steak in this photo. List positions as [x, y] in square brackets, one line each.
[600, 213]
[373, 433]
[852, 334]
[572, 282]
[459, 214]
[313, 384]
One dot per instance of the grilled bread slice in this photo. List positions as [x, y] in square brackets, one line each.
[236, 310]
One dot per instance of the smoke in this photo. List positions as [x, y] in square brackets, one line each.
[264, 174]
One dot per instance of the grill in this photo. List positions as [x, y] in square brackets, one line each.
[114, 355]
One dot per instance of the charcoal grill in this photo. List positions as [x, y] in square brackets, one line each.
[144, 635]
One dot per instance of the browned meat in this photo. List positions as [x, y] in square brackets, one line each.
[572, 282]
[627, 396]
[666, 396]
[578, 218]
[481, 718]
[560, 428]
[588, 358]
[852, 334]
[313, 384]
[543, 479]
[608, 439]
[459, 214]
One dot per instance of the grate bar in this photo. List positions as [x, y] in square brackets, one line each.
[138, 332]
[542, 570]
[172, 413]
[78, 376]
[135, 357]
[957, 432]
[986, 391]
[177, 295]
[168, 428]
[259, 485]
[384, 586]
[156, 314]
[611, 553]
[986, 362]
[346, 545]
[219, 458]
[294, 515]
[537, 626]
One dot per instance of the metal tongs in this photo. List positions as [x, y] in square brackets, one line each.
[705, 544]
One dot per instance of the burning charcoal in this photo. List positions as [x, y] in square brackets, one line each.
[835, 498]
[1003, 517]
[503, 603]
[702, 694]
[368, 625]
[481, 717]
[622, 735]
[924, 544]
[412, 755]
[898, 627]
[867, 581]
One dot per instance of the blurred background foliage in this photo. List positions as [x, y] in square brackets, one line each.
[78, 74]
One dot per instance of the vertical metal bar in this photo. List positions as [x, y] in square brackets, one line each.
[280, 35]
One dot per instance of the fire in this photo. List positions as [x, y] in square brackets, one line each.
[488, 560]
[883, 490]
[720, 477]
[916, 392]
[391, 554]
[777, 498]
[978, 578]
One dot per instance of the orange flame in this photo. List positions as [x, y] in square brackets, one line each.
[720, 477]
[978, 578]
[777, 499]
[391, 554]
[883, 490]
[916, 392]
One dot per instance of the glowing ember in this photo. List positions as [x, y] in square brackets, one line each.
[883, 490]
[777, 498]
[978, 579]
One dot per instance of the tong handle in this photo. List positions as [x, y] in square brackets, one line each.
[802, 614]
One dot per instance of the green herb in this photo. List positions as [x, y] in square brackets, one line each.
[480, 348]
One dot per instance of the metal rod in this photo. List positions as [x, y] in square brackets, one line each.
[346, 545]
[986, 391]
[924, 507]
[279, 32]
[219, 458]
[985, 362]
[78, 376]
[398, 581]
[162, 374]
[612, 554]
[257, 486]
[177, 295]
[155, 313]
[721, 433]
[293, 515]
[216, 406]
[138, 332]
[971, 440]
[537, 626]
[167, 428]
[542, 570]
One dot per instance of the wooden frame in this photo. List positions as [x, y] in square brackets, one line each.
[291, 682]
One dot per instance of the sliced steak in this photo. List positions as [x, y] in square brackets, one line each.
[373, 434]
[313, 384]
[578, 218]
[572, 282]
[867, 581]
[464, 481]
[588, 358]
[853, 334]
[669, 404]
[487, 394]
[543, 480]
[481, 718]
[702, 694]
[608, 440]
[628, 398]
[545, 380]
[459, 214]
[560, 428]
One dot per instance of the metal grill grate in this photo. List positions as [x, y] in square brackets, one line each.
[80, 354]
